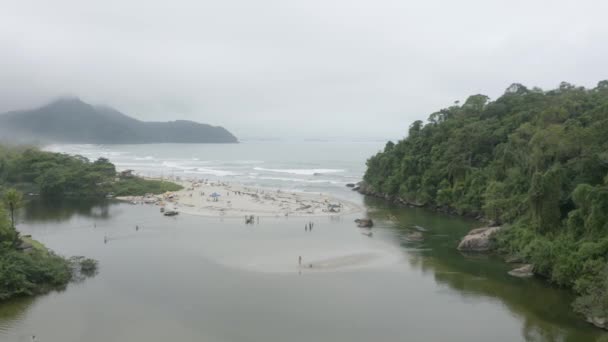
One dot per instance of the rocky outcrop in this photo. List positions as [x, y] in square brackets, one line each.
[364, 223]
[478, 240]
[600, 322]
[524, 271]
[514, 259]
[25, 246]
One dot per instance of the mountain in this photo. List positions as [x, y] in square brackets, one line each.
[70, 120]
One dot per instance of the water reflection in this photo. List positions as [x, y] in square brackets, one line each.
[41, 210]
[545, 311]
[13, 311]
[202, 261]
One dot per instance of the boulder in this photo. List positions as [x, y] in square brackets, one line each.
[514, 259]
[598, 321]
[415, 236]
[350, 185]
[25, 246]
[364, 223]
[478, 240]
[524, 271]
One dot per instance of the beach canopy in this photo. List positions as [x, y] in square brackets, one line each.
[215, 194]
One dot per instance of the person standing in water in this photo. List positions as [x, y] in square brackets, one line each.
[300, 260]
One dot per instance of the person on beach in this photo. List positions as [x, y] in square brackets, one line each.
[136, 228]
[105, 239]
[300, 260]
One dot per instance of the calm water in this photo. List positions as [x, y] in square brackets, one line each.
[210, 279]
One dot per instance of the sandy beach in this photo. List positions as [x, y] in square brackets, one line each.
[207, 198]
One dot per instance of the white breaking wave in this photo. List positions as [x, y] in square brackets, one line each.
[219, 173]
[174, 165]
[152, 161]
[305, 172]
[299, 180]
[145, 158]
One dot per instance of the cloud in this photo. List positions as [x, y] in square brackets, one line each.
[294, 68]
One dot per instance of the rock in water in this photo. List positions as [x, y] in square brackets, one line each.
[364, 223]
[415, 236]
[350, 185]
[523, 272]
[478, 240]
[598, 321]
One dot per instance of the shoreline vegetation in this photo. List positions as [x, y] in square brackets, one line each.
[60, 176]
[27, 267]
[534, 162]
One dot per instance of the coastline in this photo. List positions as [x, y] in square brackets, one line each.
[224, 199]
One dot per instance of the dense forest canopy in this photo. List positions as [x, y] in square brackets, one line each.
[533, 160]
[56, 175]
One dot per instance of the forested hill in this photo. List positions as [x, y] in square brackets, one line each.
[72, 121]
[532, 159]
[492, 157]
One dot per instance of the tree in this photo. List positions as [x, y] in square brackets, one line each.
[13, 200]
[533, 160]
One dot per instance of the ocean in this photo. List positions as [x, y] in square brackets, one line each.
[310, 166]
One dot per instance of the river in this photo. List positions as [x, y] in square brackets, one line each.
[193, 278]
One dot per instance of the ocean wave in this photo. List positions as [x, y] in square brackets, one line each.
[145, 158]
[205, 171]
[299, 180]
[304, 172]
[174, 165]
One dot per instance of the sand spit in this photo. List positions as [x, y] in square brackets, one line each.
[208, 198]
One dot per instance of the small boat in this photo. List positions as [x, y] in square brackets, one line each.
[171, 213]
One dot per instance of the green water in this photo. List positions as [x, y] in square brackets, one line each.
[210, 279]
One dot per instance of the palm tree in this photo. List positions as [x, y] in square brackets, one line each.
[13, 200]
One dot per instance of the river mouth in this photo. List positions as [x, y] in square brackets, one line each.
[219, 279]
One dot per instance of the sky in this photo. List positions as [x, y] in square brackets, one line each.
[304, 69]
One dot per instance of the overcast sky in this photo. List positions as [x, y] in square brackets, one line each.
[280, 68]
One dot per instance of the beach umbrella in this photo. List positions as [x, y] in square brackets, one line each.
[215, 194]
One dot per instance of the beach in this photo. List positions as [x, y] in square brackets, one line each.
[215, 198]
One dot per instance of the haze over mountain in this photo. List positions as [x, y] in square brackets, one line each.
[70, 120]
[294, 69]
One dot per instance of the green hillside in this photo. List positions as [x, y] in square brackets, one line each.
[535, 161]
